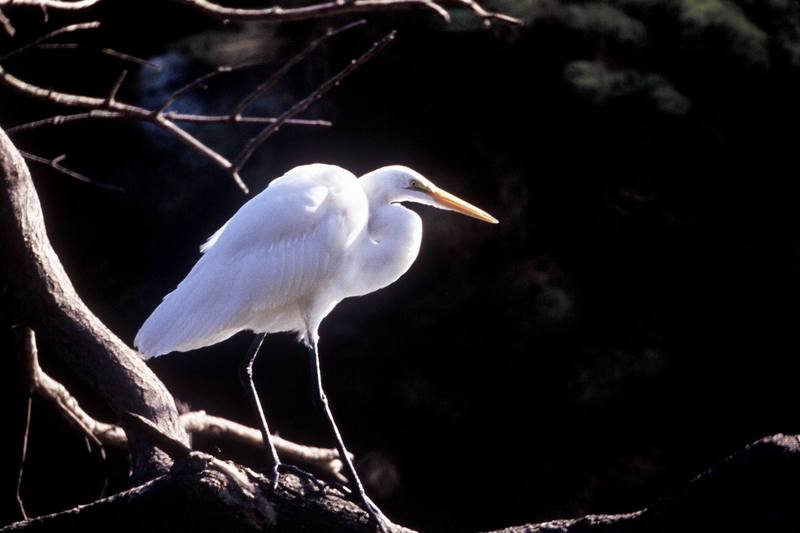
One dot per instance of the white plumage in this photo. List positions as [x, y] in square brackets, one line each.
[313, 237]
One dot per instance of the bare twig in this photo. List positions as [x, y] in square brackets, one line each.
[51, 4]
[171, 115]
[111, 108]
[488, 17]
[245, 102]
[344, 7]
[55, 164]
[198, 119]
[112, 95]
[55, 33]
[5, 22]
[23, 455]
[28, 377]
[107, 51]
[256, 141]
[173, 447]
[320, 10]
[200, 82]
[131, 112]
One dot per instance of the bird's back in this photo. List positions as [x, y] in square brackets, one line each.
[280, 253]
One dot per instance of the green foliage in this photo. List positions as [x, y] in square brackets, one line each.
[604, 20]
[601, 86]
[722, 25]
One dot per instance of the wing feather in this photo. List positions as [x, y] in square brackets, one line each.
[280, 248]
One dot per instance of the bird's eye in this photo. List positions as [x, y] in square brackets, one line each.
[415, 184]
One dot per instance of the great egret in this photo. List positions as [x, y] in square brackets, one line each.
[313, 237]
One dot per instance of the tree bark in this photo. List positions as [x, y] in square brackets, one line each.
[44, 298]
[203, 494]
[757, 489]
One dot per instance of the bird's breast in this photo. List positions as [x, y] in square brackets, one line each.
[385, 252]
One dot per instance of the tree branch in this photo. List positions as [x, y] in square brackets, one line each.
[215, 496]
[321, 10]
[202, 493]
[346, 7]
[195, 423]
[55, 164]
[5, 22]
[51, 4]
[755, 489]
[110, 108]
[244, 155]
[170, 115]
[45, 299]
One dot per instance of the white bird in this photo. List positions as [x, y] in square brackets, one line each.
[313, 237]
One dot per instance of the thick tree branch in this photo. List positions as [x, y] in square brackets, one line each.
[755, 489]
[45, 299]
[195, 423]
[217, 496]
[202, 493]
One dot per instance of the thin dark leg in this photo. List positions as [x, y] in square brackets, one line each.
[322, 404]
[246, 375]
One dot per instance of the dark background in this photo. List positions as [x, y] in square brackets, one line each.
[631, 320]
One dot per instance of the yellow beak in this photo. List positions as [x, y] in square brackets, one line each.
[454, 203]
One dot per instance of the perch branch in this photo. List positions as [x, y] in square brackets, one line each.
[195, 423]
[755, 489]
[199, 486]
[203, 494]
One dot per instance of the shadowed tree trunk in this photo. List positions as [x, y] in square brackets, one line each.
[43, 298]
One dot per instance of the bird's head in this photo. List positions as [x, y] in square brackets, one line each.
[395, 184]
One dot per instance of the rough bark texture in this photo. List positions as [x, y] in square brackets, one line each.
[44, 298]
[202, 493]
[756, 489]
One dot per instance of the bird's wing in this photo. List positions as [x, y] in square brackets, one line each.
[280, 247]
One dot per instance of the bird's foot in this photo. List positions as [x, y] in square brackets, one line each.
[274, 477]
[375, 514]
[302, 474]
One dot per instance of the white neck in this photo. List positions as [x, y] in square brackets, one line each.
[389, 246]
